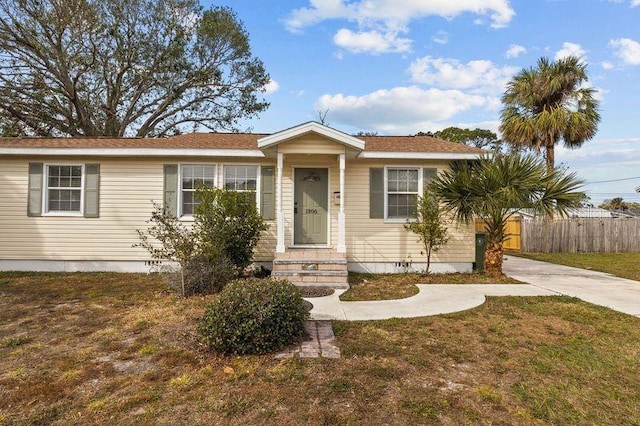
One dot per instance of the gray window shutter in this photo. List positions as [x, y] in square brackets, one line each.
[267, 192]
[92, 190]
[428, 174]
[170, 200]
[376, 193]
[34, 201]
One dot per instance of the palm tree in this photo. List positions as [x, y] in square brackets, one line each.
[548, 104]
[496, 187]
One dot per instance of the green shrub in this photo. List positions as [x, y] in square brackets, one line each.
[254, 316]
[228, 224]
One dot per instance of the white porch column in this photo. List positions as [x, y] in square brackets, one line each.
[279, 209]
[342, 247]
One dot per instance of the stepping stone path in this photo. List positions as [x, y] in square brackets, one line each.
[321, 343]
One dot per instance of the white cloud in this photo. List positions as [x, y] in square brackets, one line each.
[390, 17]
[626, 49]
[442, 37]
[607, 65]
[371, 42]
[480, 76]
[634, 3]
[515, 50]
[570, 49]
[624, 147]
[396, 11]
[271, 87]
[319, 11]
[401, 110]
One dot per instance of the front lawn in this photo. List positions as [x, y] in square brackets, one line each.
[399, 286]
[117, 349]
[624, 265]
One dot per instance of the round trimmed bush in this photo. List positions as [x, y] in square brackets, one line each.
[254, 316]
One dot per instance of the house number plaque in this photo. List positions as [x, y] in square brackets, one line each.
[311, 211]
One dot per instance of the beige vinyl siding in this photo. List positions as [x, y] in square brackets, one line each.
[127, 187]
[374, 240]
[311, 144]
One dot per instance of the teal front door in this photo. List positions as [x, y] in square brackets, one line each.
[310, 205]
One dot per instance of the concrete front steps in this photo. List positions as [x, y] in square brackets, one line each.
[312, 268]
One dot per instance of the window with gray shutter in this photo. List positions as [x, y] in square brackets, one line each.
[91, 190]
[34, 201]
[376, 193]
[427, 175]
[267, 193]
[170, 198]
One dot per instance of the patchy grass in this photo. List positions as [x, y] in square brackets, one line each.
[118, 349]
[624, 265]
[399, 286]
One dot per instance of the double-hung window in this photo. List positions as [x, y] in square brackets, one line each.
[403, 185]
[241, 178]
[193, 176]
[63, 193]
[394, 191]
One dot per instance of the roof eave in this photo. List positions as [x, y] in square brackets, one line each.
[421, 155]
[133, 152]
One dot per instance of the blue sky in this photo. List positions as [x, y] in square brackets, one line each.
[403, 66]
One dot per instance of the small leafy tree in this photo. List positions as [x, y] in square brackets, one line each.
[228, 223]
[429, 225]
[214, 249]
[169, 239]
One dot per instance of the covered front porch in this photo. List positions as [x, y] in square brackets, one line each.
[311, 163]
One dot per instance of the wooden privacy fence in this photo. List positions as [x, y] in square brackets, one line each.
[582, 235]
[511, 229]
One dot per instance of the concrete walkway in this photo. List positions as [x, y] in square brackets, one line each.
[431, 300]
[594, 287]
[544, 279]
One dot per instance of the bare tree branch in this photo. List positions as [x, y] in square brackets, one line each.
[124, 67]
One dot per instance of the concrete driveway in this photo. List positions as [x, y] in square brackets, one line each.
[594, 287]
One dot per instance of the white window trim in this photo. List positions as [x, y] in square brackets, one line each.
[258, 179]
[189, 217]
[386, 192]
[45, 192]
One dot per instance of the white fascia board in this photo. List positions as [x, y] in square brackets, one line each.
[420, 155]
[133, 152]
[312, 126]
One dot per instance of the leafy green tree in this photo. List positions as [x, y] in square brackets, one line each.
[125, 67]
[479, 138]
[549, 104]
[497, 187]
[616, 203]
[166, 238]
[429, 225]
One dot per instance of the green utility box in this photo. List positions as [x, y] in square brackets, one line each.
[481, 245]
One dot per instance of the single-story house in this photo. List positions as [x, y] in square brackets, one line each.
[332, 201]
